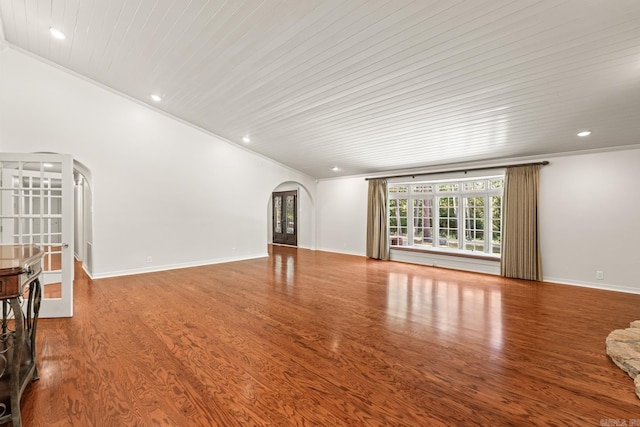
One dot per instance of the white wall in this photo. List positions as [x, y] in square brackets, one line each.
[589, 219]
[342, 215]
[160, 188]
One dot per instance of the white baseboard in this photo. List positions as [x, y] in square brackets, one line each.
[433, 260]
[594, 285]
[176, 266]
[84, 267]
[339, 251]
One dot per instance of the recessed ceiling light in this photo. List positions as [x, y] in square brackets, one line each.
[57, 33]
[156, 98]
[48, 165]
[584, 133]
[335, 169]
[246, 139]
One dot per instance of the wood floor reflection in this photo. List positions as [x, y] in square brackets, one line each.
[314, 338]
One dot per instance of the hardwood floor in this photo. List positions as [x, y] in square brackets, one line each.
[314, 338]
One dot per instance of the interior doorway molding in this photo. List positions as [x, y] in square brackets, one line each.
[305, 214]
[83, 223]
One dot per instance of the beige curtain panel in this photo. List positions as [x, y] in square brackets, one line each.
[377, 239]
[520, 239]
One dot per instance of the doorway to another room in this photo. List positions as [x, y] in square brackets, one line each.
[285, 217]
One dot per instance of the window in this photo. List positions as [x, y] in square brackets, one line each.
[398, 221]
[455, 215]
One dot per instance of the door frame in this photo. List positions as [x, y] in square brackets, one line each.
[284, 238]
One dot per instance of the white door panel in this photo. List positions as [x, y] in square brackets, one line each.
[36, 207]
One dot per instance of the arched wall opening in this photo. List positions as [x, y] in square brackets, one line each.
[83, 210]
[83, 214]
[306, 227]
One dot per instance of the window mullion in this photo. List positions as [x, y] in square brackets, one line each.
[436, 222]
[466, 220]
[410, 220]
[458, 203]
[487, 224]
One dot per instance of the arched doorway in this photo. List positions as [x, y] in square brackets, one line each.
[284, 225]
[83, 209]
[304, 214]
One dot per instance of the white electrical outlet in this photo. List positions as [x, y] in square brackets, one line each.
[600, 275]
[149, 259]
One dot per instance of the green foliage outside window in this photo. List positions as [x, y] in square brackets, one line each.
[461, 214]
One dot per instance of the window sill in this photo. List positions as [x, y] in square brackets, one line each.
[459, 254]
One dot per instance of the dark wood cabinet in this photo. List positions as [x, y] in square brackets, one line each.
[20, 293]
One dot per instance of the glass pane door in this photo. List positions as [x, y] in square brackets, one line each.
[36, 208]
[285, 227]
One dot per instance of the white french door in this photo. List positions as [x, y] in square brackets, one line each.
[36, 207]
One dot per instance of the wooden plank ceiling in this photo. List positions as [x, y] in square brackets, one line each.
[365, 85]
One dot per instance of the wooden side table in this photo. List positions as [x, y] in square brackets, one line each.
[20, 293]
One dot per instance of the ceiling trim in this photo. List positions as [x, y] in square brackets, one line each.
[465, 170]
[487, 163]
[151, 107]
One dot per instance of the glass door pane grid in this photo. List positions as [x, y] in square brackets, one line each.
[289, 207]
[36, 211]
[278, 213]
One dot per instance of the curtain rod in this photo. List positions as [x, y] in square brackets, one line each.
[543, 163]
